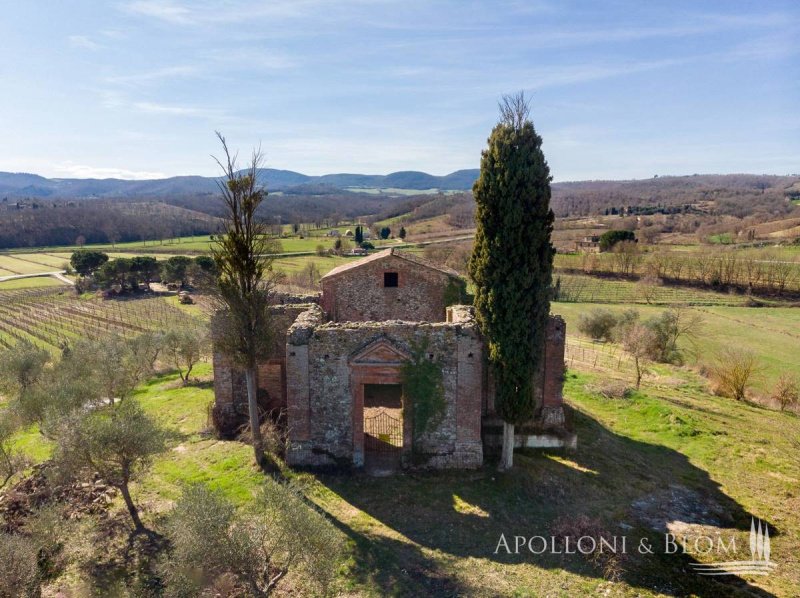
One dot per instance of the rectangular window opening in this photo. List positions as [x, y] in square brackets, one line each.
[390, 279]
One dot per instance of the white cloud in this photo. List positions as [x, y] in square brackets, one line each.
[237, 11]
[155, 75]
[174, 110]
[83, 42]
[82, 171]
[162, 10]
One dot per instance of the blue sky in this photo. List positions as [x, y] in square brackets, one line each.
[624, 89]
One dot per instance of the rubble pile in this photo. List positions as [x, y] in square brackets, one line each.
[38, 489]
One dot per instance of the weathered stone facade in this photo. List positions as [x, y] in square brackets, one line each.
[361, 338]
[329, 363]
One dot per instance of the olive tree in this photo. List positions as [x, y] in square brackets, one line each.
[185, 347]
[638, 340]
[118, 364]
[278, 536]
[19, 571]
[116, 442]
[11, 461]
[22, 366]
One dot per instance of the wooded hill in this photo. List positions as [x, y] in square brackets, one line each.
[707, 200]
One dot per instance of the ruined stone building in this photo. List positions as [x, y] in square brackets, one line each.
[386, 367]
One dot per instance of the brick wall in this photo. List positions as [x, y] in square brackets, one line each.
[230, 390]
[359, 294]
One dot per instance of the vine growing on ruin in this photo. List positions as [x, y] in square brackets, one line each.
[423, 386]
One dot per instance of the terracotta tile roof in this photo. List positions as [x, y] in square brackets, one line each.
[410, 257]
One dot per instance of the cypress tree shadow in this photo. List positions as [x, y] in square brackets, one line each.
[630, 487]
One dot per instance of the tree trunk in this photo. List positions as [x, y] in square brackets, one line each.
[507, 457]
[134, 512]
[252, 406]
[638, 373]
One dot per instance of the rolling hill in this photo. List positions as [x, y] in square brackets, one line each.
[19, 185]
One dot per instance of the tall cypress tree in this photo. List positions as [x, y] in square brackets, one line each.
[512, 261]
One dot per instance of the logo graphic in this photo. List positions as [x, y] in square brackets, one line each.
[759, 563]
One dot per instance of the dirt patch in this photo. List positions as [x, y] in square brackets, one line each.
[38, 489]
[678, 507]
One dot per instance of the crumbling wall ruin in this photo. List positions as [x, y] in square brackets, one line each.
[230, 412]
[323, 408]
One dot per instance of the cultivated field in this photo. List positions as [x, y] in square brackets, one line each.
[50, 317]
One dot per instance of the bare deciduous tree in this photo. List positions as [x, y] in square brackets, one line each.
[638, 341]
[243, 328]
[627, 256]
[515, 109]
[787, 391]
[733, 372]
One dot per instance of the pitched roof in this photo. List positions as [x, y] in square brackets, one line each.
[410, 257]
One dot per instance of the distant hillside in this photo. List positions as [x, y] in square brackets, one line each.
[36, 223]
[23, 185]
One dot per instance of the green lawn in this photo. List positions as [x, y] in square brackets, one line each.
[436, 533]
[30, 283]
[22, 264]
[773, 334]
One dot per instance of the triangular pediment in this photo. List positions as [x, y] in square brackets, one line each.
[380, 352]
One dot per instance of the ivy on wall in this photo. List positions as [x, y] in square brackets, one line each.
[423, 386]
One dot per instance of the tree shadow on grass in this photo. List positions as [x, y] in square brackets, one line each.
[629, 486]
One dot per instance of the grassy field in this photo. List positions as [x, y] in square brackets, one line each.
[194, 244]
[23, 263]
[30, 283]
[589, 289]
[670, 453]
[773, 334]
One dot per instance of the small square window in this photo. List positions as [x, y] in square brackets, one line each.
[390, 279]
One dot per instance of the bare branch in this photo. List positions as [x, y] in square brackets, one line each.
[515, 110]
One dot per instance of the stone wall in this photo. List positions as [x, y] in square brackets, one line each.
[230, 391]
[359, 294]
[549, 380]
[325, 417]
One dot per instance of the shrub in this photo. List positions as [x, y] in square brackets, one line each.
[61, 541]
[213, 545]
[733, 372]
[787, 391]
[20, 572]
[610, 238]
[611, 389]
[672, 325]
[581, 527]
[598, 324]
